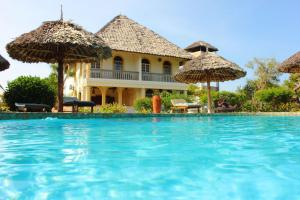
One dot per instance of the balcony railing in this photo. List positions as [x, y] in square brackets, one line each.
[109, 74]
[127, 75]
[157, 77]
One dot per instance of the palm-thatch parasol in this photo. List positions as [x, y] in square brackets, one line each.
[4, 64]
[58, 42]
[209, 67]
[291, 65]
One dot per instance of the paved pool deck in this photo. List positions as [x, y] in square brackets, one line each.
[21, 116]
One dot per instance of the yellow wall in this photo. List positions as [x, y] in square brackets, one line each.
[132, 62]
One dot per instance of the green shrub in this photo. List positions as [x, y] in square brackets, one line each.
[248, 106]
[231, 98]
[143, 105]
[112, 108]
[193, 89]
[28, 89]
[108, 108]
[274, 95]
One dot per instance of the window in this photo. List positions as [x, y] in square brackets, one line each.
[167, 68]
[145, 66]
[118, 63]
[95, 65]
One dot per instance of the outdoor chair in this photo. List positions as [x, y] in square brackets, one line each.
[183, 106]
[75, 103]
[229, 108]
[32, 107]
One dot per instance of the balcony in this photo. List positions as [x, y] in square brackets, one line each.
[129, 75]
[157, 77]
[110, 74]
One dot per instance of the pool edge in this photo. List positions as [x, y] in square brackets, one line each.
[20, 115]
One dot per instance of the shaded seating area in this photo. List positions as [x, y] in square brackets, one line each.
[32, 107]
[76, 104]
[183, 106]
[222, 106]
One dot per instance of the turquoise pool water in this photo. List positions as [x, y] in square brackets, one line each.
[218, 157]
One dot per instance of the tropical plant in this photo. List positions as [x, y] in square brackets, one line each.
[143, 105]
[249, 89]
[274, 95]
[293, 83]
[232, 98]
[28, 89]
[266, 71]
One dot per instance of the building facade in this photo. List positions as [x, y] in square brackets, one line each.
[142, 63]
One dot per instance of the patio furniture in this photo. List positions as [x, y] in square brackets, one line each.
[75, 103]
[183, 106]
[32, 107]
[228, 108]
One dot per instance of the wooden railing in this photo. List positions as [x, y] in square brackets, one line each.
[110, 74]
[157, 77]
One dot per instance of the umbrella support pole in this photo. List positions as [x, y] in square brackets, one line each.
[208, 98]
[60, 72]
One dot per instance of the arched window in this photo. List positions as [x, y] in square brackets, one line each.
[167, 68]
[118, 63]
[145, 66]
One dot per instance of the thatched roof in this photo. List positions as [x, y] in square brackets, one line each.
[124, 34]
[4, 64]
[209, 67]
[291, 65]
[48, 41]
[202, 46]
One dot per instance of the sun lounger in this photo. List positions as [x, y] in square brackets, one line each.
[226, 109]
[75, 103]
[32, 107]
[183, 106]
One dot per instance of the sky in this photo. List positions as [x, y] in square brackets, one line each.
[241, 30]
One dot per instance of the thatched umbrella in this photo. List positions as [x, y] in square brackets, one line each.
[58, 42]
[291, 65]
[4, 64]
[209, 67]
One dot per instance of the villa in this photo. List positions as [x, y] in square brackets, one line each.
[142, 62]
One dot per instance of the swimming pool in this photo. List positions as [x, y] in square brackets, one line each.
[208, 157]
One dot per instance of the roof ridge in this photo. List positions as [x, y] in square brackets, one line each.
[129, 35]
[109, 22]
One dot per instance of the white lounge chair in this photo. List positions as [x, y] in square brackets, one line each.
[183, 106]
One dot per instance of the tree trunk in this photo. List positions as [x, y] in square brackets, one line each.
[60, 72]
[208, 98]
[218, 86]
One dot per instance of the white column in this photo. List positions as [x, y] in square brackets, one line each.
[120, 95]
[88, 70]
[88, 93]
[143, 93]
[103, 94]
